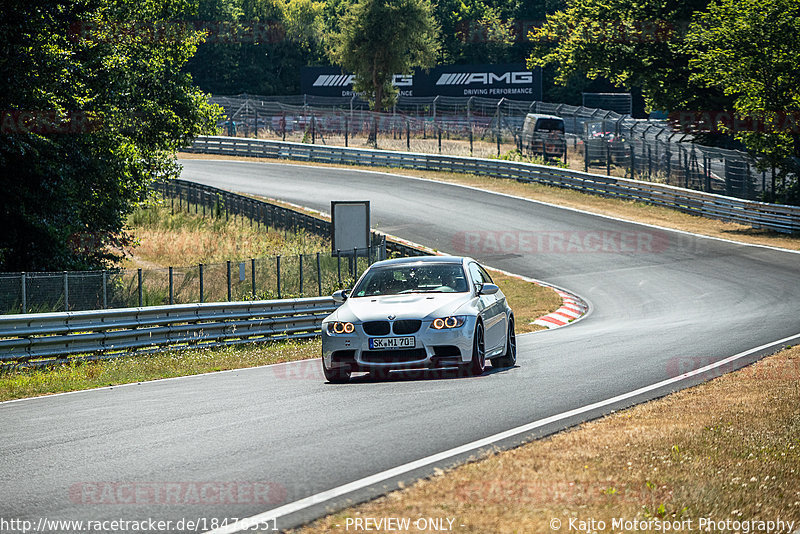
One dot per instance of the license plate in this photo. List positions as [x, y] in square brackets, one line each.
[392, 342]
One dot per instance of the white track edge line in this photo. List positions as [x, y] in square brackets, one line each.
[143, 382]
[274, 514]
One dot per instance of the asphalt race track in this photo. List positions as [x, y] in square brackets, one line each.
[662, 303]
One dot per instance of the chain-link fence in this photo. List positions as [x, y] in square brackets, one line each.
[596, 140]
[272, 277]
[276, 277]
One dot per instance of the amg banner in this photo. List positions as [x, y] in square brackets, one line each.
[513, 81]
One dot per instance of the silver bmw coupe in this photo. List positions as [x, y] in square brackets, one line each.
[421, 312]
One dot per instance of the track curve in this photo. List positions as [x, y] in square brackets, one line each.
[657, 310]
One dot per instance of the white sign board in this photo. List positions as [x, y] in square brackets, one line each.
[350, 226]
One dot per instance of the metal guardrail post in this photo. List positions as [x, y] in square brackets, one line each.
[253, 275]
[139, 278]
[24, 293]
[171, 288]
[301, 275]
[339, 266]
[202, 296]
[278, 268]
[228, 265]
[319, 276]
[66, 291]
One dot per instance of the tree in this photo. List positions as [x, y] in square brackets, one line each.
[750, 50]
[380, 38]
[637, 43]
[257, 46]
[94, 105]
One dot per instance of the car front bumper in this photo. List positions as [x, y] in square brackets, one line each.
[433, 348]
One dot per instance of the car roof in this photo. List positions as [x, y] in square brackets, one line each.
[421, 259]
[543, 116]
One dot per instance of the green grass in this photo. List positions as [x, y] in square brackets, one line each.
[79, 376]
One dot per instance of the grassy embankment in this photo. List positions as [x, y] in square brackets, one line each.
[727, 450]
[180, 239]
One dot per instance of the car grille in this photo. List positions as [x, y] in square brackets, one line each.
[344, 356]
[393, 356]
[406, 326]
[376, 328]
[446, 351]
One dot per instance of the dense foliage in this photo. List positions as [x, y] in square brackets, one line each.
[94, 104]
[97, 94]
[380, 38]
[706, 56]
[750, 51]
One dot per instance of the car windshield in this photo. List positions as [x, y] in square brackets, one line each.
[550, 125]
[414, 278]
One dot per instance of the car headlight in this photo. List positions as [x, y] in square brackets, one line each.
[445, 323]
[338, 327]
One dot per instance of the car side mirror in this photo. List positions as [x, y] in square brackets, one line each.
[488, 289]
[340, 296]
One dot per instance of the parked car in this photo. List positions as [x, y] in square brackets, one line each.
[543, 135]
[421, 312]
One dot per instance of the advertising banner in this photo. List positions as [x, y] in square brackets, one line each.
[514, 81]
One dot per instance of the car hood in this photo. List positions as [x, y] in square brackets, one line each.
[409, 306]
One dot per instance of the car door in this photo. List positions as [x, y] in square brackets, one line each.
[491, 310]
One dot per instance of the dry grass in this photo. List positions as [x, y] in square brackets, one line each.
[726, 450]
[429, 145]
[628, 210]
[165, 238]
[529, 301]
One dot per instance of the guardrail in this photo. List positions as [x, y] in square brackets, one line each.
[776, 217]
[41, 339]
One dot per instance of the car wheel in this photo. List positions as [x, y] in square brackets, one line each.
[478, 363]
[338, 375]
[509, 358]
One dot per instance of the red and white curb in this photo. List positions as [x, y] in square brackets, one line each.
[572, 308]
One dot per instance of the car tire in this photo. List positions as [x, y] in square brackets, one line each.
[509, 358]
[339, 375]
[477, 365]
